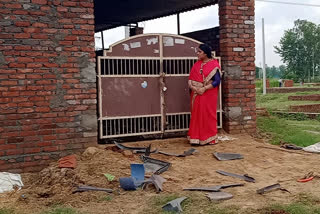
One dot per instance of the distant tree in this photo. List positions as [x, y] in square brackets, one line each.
[282, 71]
[272, 72]
[258, 72]
[299, 49]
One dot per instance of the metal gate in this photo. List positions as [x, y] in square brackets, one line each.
[143, 86]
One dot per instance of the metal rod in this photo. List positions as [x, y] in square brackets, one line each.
[102, 40]
[178, 23]
[264, 60]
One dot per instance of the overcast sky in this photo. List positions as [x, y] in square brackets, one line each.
[277, 18]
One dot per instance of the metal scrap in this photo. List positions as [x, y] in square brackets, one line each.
[185, 153]
[175, 205]
[243, 177]
[146, 150]
[91, 188]
[290, 146]
[270, 188]
[213, 188]
[218, 196]
[156, 180]
[163, 165]
[227, 156]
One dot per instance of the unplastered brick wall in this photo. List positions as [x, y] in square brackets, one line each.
[47, 81]
[237, 51]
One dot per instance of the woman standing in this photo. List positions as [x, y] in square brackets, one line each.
[204, 80]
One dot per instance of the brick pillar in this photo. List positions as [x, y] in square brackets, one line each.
[237, 51]
[47, 81]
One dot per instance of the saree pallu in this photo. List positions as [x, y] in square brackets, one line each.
[203, 123]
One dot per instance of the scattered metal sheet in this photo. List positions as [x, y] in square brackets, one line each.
[128, 183]
[146, 150]
[219, 196]
[227, 156]
[290, 146]
[137, 171]
[156, 180]
[243, 177]
[175, 205]
[270, 188]
[91, 188]
[213, 188]
[163, 165]
[185, 153]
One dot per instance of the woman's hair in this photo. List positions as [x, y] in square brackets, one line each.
[206, 49]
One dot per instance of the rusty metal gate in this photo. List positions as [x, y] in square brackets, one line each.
[143, 86]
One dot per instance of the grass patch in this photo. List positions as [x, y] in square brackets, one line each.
[7, 211]
[61, 210]
[195, 203]
[304, 204]
[279, 101]
[273, 83]
[290, 131]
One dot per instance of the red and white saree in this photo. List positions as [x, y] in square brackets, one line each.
[203, 124]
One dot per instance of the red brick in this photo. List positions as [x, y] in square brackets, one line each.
[13, 6]
[32, 150]
[39, 1]
[25, 110]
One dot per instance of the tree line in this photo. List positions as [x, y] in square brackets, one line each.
[299, 49]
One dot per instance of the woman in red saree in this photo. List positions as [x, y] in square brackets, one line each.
[204, 80]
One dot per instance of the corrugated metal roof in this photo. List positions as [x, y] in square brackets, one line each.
[111, 14]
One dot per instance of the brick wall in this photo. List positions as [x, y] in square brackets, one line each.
[292, 89]
[313, 97]
[47, 81]
[288, 83]
[237, 51]
[311, 108]
[208, 36]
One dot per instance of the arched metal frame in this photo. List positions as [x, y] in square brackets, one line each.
[143, 85]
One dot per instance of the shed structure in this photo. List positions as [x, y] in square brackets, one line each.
[48, 87]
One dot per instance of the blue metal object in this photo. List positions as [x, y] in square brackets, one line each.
[137, 171]
[127, 183]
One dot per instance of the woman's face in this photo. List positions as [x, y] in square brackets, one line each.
[201, 55]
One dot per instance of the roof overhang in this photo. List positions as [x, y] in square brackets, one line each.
[111, 14]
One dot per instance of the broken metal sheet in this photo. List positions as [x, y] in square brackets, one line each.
[137, 171]
[91, 188]
[175, 205]
[213, 188]
[156, 180]
[243, 177]
[185, 153]
[164, 166]
[290, 146]
[270, 188]
[227, 156]
[134, 149]
[128, 183]
[218, 196]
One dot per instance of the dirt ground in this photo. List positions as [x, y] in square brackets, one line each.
[54, 186]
